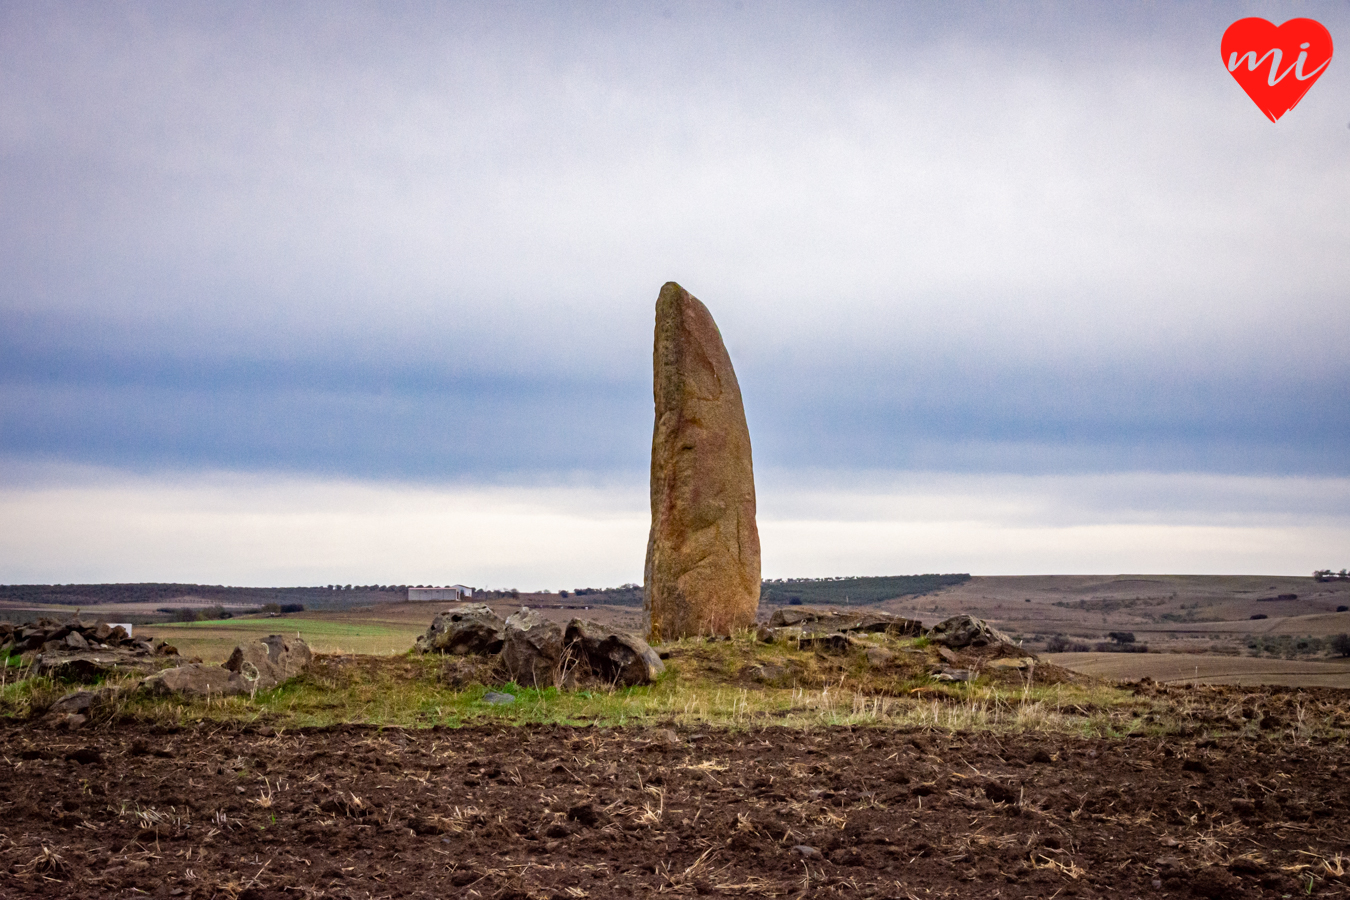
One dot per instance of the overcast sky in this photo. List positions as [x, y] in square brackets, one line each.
[301, 293]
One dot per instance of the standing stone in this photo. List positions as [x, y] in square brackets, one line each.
[702, 574]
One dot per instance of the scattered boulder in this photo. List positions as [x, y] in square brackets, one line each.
[702, 573]
[255, 666]
[862, 621]
[959, 632]
[533, 650]
[269, 662]
[196, 680]
[497, 698]
[829, 630]
[609, 656]
[471, 628]
[767, 673]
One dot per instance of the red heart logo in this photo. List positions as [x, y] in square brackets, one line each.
[1276, 66]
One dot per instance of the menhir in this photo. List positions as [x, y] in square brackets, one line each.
[702, 575]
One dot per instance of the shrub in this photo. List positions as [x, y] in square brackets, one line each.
[1122, 637]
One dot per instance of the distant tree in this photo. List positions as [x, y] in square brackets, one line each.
[1122, 637]
[1340, 645]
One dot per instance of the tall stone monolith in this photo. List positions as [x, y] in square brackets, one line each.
[702, 574]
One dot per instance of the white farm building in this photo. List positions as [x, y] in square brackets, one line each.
[450, 592]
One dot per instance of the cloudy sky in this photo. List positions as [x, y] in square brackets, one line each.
[311, 293]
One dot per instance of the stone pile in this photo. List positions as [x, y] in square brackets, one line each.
[76, 651]
[538, 653]
[47, 635]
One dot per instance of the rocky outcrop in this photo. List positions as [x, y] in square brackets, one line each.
[532, 651]
[255, 666]
[610, 657]
[703, 567]
[472, 628]
[536, 653]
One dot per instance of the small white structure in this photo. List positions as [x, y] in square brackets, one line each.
[450, 592]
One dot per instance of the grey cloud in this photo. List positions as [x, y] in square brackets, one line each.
[315, 237]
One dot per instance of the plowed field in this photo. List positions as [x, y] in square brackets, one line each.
[240, 812]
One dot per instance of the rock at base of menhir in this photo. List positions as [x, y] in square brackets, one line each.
[831, 631]
[472, 628]
[532, 650]
[702, 573]
[959, 632]
[610, 657]
[861, 621]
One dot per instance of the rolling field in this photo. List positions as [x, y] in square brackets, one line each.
[1206, 669]
[386, 629]
[347, 632]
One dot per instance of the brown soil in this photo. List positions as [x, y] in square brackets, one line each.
[544, 812]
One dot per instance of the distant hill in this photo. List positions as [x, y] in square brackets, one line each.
[846, 590]
[853, 591]
[334, 596]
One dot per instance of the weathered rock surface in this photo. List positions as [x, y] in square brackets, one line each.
[269, 662]
[533, 650]
[609, 656]
[197, 680]
[472, 628]
[967, 631]
[255, 666]
[703, 564]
